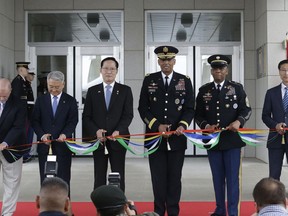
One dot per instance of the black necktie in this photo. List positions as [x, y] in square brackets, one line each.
[166, 82]
[218, 88]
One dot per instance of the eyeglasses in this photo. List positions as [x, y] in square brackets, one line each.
[109, 69]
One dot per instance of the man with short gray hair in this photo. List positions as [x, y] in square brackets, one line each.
[54, 120]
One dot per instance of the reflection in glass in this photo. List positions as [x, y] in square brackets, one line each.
[196, 26]
[46, 64]
[90, 73]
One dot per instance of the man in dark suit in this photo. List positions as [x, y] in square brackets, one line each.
[55, 117]
[223, 105]
[12, 134]
[275, 116]
[167, 103]
[102, 117]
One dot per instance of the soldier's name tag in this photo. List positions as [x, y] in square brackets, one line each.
[152, 87]
[207, 96]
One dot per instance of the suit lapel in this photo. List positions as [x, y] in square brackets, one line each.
[61, 105]
[115, 93]
[160, 81]
[278, 97]
[99, 94]
[47, 101]
[172, 82]
[5, 111]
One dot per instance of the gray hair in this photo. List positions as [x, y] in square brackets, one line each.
[56, 76]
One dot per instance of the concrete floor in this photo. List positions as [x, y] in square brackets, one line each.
[196, 180]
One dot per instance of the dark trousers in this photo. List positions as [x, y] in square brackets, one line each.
[225, 167]
[166, 173]
[117, 163]
[276, 156]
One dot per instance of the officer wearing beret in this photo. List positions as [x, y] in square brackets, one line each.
[223, 104]
[111, 200]
[167, 103]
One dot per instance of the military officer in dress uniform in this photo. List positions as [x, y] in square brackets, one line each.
[30, 95]
[19, 88]
[223, 105]
[30, 106]
[167, 103]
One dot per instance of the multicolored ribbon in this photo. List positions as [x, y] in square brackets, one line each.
[132, 144]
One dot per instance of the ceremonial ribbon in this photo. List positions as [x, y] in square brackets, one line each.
[153, 141]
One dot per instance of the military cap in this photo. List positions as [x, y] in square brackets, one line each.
[31, 71]
[108, 196]
[22, 64]
[218, 61]
[166, 52]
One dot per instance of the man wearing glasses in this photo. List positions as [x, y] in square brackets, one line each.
[108, 111]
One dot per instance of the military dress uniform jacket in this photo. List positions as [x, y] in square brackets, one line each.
[30, 99]
[19, 88]
[175, 107]
[231, 104]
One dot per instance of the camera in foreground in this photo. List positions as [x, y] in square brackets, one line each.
[114, 179]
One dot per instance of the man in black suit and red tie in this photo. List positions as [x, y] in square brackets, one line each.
[275, 117]
[108, 111]
[12, 134]
[55, 117]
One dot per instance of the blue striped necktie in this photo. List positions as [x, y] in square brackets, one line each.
[54, 104]
[285, 99]
[108, 95]
[1, 108]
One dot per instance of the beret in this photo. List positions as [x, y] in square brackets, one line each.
[108, 196]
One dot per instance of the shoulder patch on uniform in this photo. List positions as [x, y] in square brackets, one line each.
[237, 83]
[205, 85]
[148, 74]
